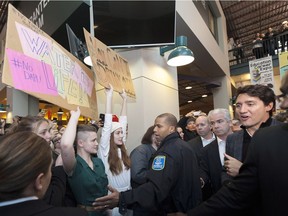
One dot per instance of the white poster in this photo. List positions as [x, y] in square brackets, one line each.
[261, 71]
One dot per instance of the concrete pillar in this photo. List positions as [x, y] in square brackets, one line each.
[21, 104]
[223, 94]
[156, 88]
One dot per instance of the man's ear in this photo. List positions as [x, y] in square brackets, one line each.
[269, 107]
[80, 142]
[39, 181]
[172, 129]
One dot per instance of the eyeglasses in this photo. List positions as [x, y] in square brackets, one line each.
[281, 97]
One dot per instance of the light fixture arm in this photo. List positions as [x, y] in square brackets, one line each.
[180, 55]
[164, 49]
[180, 41]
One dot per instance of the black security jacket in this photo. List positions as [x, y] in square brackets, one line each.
[176, 187]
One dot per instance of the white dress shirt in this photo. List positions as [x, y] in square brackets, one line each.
[207, 141]
[221, 147]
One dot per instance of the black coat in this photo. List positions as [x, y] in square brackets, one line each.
[173, 183]
[263, 176]
[39, 208]
[210, 166]
[196, 145]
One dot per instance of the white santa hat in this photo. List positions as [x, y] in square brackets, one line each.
[115, 126]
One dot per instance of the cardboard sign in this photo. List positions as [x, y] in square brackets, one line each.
[36, 64]
[109, 66]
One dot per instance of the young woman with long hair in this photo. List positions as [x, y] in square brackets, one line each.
[112, 149]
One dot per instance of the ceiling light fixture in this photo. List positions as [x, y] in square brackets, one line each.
[3, 108]
[180, 55]
[190, 101]
[205, 95]
[60, 111]
[87, 60]
[188, 87]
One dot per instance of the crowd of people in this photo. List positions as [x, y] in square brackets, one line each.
[272, 42]
[201, 164]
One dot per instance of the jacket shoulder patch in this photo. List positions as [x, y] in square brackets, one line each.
[159, 162]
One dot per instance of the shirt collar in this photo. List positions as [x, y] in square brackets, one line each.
[219, 140]
[20, 200]
[267, 123]
[213, 137]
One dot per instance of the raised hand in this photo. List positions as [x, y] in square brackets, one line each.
[76, 113]
[123, 94]
[109, 90]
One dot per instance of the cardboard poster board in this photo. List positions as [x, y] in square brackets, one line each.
[109, 66]
[34, 63]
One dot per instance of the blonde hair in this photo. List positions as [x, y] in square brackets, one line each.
[28, 123]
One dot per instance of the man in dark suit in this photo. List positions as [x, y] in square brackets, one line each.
[212, 155]
[254, 106]
[263, 175]
[206, 136]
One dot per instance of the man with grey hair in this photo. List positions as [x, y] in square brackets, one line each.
[262, 177]
[212, 155]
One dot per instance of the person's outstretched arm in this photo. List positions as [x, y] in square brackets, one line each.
[123, 95]
[123, 115]
[67, 141]
[104, 145]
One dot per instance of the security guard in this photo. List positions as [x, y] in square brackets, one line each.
[173, 182]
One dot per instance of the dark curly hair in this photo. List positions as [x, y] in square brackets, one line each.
[264, 93]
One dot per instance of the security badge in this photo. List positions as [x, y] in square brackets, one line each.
[159, 162]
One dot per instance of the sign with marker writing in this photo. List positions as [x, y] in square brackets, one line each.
[30, 74]
[109, 66]
[36, 64]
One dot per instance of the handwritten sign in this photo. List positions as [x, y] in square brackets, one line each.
[109, 66]
[30, 74]
[36, 64]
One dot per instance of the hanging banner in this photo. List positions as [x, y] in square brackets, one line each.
[109, 66]
[36, 64]
[261, 71]
[283, 63]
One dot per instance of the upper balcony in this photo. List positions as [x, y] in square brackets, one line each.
[239, 57]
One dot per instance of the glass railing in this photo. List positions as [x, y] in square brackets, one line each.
[266, 47]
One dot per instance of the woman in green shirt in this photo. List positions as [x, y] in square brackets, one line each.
[86, 173]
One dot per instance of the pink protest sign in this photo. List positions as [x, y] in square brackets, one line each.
[30, 74]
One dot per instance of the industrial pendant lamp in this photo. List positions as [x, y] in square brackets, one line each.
[87, 60]
[181, 55]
